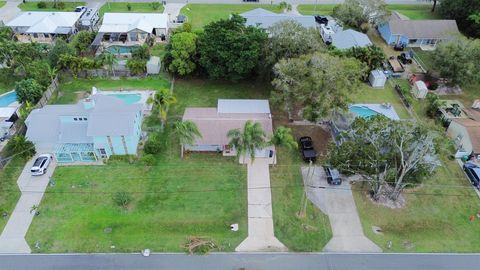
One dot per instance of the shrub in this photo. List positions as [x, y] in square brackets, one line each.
[153, 145]
[137, 67]
[122, 199]
[42, 5]
[28, 90]
[129, 6]
[155, 5]
[141, 53]
[20, 146]
[61, 5]
[148, 160]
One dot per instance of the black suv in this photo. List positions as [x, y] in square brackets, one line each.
[308, 152]
[473, 173]
[333, 176]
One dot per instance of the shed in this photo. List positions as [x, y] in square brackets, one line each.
[377, 78]
[153, 65]
[420, 90]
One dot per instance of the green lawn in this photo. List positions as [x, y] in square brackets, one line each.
[2, 3]
[414, 12]
[135, 7]
[309, 233]
[32, 6]
[158, 50]
[368, 94]
[9, 192]
[426, 57]
[201, 14]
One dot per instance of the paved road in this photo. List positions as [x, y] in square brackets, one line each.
[12, 239]
[260, 1]
[260, 220]
[236, 261]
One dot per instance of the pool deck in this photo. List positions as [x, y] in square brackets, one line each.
[381, 109]
[144, 96]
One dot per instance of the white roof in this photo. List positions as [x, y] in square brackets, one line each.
[420, 85]
[243, 106]
[7, 112]
[45, 22]
[126, 22]
[378, 74]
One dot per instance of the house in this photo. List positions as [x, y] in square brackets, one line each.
[264, 18]
[95, 128]
[350, 38]
[417, 33]
[131, 28]
[215, 123]
[44, 27]
[466, 134]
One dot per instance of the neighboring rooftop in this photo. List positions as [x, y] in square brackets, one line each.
[473, 130]
[424, 29]
[264, 18]
[243, 106]
[350, 38]
[126, 22]
[45, 22]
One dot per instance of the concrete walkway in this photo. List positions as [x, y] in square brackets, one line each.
[338, 203]
[12, 239]
[9, 11]
[173, 10]
[260, 222]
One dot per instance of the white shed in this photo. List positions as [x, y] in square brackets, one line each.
[377, 78]
[153, 65]
[420, 90]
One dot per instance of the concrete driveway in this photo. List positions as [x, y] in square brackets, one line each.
[338, 203]
[9, 11]
[12, 239]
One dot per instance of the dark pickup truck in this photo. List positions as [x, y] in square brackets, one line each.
[308, 152]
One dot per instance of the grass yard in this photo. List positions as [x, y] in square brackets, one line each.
[324, 9]
[158, 50]
[135, 7]
[201, 14]
[2, 3]
[9, 192]
[426, 57]
[32, 6]
[436, 218]
[368, 94]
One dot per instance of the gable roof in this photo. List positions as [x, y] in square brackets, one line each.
[126, 22]
[416, 29]
[473, 130]
[265, 19]
[350, 38]
[45, 21]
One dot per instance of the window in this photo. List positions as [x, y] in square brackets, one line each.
[103, 153]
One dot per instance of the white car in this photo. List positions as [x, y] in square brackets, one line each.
[41, 164]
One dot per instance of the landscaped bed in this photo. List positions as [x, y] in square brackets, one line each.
[134, 7]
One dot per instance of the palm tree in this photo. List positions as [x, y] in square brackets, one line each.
[187, 132]
[163, 98]
[282, 136]
[19, 145]
[109, 59]
[246, 141]
[52, 73]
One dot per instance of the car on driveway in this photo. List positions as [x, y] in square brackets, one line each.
[40, 165]
[333, 176]
[473, 173]
[308, 152]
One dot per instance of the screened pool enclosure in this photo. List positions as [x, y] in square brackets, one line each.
[72, 152]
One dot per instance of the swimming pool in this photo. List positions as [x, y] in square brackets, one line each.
[362, 111]
[128, 98]
[116, 49]
[7, 99]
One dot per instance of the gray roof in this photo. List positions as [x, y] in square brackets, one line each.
[265, 19]
[112, 124]
[416, 29]
[243, 106]
[75, 132]
[350, 38]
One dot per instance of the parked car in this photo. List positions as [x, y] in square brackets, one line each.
[333, 176]
[308, 152]
[80, 9]
[41, 164]
[405, 58]
[399, 47]
[473, 173]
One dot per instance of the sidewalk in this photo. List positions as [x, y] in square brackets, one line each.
[260, 222]
[12, 239]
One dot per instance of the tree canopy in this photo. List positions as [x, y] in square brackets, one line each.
[181, 53]
[28, 90]
[465, 12]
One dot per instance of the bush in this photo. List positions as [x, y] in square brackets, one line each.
[28, 90]
[61, 5]
[122, 199]
[155, 5]
[148, 160]
[20, 146]
[129, 6]
[41, 5]
[153, 145]
[141, 53]
[137, 67]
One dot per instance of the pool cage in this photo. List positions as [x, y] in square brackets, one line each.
[73, 152]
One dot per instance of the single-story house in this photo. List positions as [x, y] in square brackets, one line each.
[417, 33]
[466, 134]
[215, 123]
[132, 28]
[349, 38]
[44, 26]
[95, 128]
[264, 19]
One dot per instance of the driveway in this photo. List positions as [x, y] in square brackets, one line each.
[173, 10]
[338, 203]
[12, 239]
[9, 11]
[260, 221]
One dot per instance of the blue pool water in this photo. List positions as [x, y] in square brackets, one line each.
[115, 49]
[8, 99]
[128, 98]
[363, 112]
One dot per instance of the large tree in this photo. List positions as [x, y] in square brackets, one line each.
[82, 41]
[230, 50]
[358, 13]
[181, 53]
[60, 47]
[248, 140]
[457, 60]
[320, 82]
[462, 11]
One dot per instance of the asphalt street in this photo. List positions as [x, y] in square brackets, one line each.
[244, 261]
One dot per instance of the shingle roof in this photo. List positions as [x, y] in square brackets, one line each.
[264, 18]
[350, 38]
[416, 29]
[126, 22]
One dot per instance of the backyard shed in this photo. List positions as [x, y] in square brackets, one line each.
[377, 78]
[153, 65]
[420, 89]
